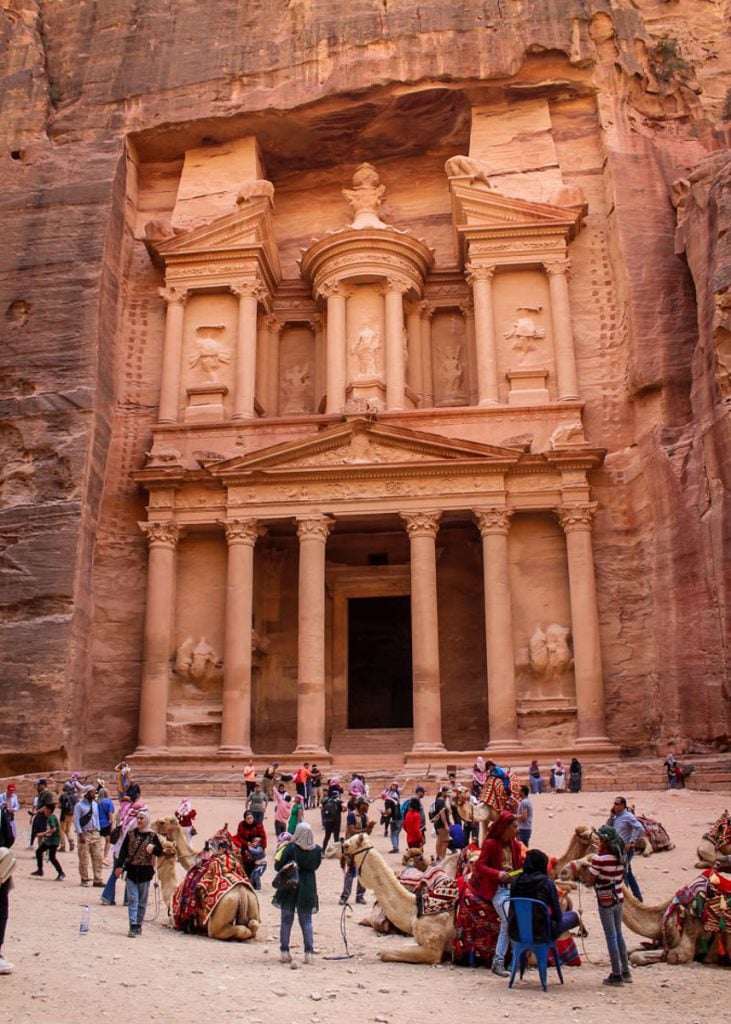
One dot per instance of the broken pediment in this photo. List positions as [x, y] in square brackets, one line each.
[360, 443]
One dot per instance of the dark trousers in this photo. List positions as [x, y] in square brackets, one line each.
[332, 830]
[43, 847]
[4, 903]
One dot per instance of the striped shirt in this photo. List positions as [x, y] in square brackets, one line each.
[609, 872]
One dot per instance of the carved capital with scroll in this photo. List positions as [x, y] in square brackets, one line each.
[242, 531]
[314, 527]
[334, 288]
[162, 533]
[557, 267]
[576, 517]
[421, 524]
[474, 273]
[249, 290]
[172, 295]
[493, 520]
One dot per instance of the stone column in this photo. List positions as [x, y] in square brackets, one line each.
[422, 529]
[576, 522]
[312, 532]
[415, 373]
[563, 335]
[468, 312]
[172, 353]
[426, 355]
[395, 375]
[480, 279]
[162, 540]
[241, 537]
[494, 526]
[317, 325]
[271, 398]
[337, 295]
[249, 295]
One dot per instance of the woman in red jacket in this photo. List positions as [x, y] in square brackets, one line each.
[248, 834]
[501, 855]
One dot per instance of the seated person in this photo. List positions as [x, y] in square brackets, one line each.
[534, 884]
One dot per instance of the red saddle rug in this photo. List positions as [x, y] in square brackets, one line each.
[476, 928]
[206, 883]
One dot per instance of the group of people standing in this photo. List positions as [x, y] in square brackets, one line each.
[559, 779]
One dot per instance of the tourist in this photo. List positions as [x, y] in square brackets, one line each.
[186, 815]
[534, 884]
[126, 818]
[66, 803]
[124, 779]
[282, 809]
[89, 841]
[50, 841]
[106, 817]
[316, 786]
[302, 900]
[439, 818]
[670, 764]
[356, 821]
[269, 777]
[331, 813]
[11, 804]
[358, 786]
[7, 865]
[629, 830]
[575, 775]
[250, 833]
[257, 803]
[296, 813]
[679, 776]
[501, 855]
[479, 777]
[534, 777]
[607, 872]
[496, 772]
[559, 776]
[392, 811]
[258, 856]
[43, 798]
[301, 777]
[137, 858]
[413, 827]
[249, 777]
[525, 816]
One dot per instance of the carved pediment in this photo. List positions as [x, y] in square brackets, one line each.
[360, 443]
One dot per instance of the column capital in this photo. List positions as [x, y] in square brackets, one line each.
[394, 283]
[576, 517]
[467, 307]
[421, 524]
[314, 527]
[173, 294]
[474, 272]
[334, 288]
[273, 324]
[493, 520]
[242, 531]
[559, 266]
[316, 322]
[249, 290]
[427, 310]
[162, 533]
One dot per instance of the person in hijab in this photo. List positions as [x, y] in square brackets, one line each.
[559, 776]
[296, 813]
[126, 818]
[534, 777]
[500, 858]
[534, 884]
[137, 858]
[607, 874]
[479, 777]
[251, 837]
[575, 775]
[302, 900]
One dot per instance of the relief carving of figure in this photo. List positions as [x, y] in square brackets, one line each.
[549, 651]
[364, 348]
[451, 373]
[210, 355]
[467, 167]
[365, 197]
[568, 433]
[295, 388]
[524, 334]
[198, 665]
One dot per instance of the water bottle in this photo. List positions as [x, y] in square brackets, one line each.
[84, 926]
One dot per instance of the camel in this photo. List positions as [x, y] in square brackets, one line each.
[716, 843]
[377, 918]
[175, 847]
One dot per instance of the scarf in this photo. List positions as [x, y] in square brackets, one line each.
[498, 827]
[184, 808]
[303, 836]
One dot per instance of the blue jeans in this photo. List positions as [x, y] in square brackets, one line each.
[110, 889]
[137, 893]
[630, 878]
[524, 836]
[611, 919]
[501, 903]
[350, 874]
[285, 929]
[395, 828]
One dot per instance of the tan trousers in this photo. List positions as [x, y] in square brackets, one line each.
[91, 854]
[68, 835]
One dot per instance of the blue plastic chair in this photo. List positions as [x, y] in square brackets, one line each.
[522, 909]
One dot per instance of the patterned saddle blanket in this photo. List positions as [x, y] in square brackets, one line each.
[658, 837]
[435, 891]
[720, 833]
[495, 795]
[707, 898]
[197, 896]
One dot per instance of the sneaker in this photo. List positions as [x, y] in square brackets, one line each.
[285, 957]
[343, 900]
[309, 958]
[132, 933]
[498, 967]
[60, 877]
[613, 979]
[37, 874]
[82, 882]
[5, 966]
[106, 902]
[360, 899]
[627, 977]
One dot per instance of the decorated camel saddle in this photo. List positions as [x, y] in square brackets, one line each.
[435, 891]
[495, 795]
[708, 900]
[655, 835]
[720, 832]
[215, 871]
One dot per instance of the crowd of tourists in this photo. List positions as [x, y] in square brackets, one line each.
[118, 835]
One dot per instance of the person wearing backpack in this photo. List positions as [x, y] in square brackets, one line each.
[439, 817]
[392, 812]
[332, 815]
[66, 804]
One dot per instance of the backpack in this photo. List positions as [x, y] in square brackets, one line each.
[434, 813]
[331, 809]
[67, 802]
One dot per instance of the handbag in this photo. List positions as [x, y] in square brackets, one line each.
[287, 878]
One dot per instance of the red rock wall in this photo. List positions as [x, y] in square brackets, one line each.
[79, 78]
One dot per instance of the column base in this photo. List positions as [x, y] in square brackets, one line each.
[569, 398]
[503, 746]
[232, 751]
[312, 750]
[144, 751]
[244, 416]
[487, 403]
[421, 752]
[600, 744]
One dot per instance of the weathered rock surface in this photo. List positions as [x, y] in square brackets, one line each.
[96, 93]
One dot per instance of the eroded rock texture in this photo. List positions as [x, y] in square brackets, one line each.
[95, 94]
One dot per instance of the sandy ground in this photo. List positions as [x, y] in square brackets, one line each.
[63, 977]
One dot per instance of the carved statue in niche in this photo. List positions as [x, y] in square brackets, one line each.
[525, 333]
[198, 667]
[211, 355]
[549, 652]
[296, 381]
[365, 197]
[451, 373]
[365, 348]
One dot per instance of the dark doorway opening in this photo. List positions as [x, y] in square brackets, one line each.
[379, 663]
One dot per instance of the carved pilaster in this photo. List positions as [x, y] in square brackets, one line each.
[421, 524]
[576, 517]
[162, 533]
[314, 527]
[493, 520]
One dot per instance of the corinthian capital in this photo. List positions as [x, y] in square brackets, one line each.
[421, 524]
[475, 272]
[314, 527]
[242, 531]
[173, 294]
[273, 324]
[397, 284]
[558, 267]
[334, 288]
[249, 290]
[493, 520]
[576, 517]
[161, 533]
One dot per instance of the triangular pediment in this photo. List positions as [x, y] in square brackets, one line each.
[363, 443]
[248, 226]
[476, 207]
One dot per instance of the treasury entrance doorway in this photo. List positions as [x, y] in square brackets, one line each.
[379, 663]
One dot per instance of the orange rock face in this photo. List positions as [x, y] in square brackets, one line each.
[127, 127]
